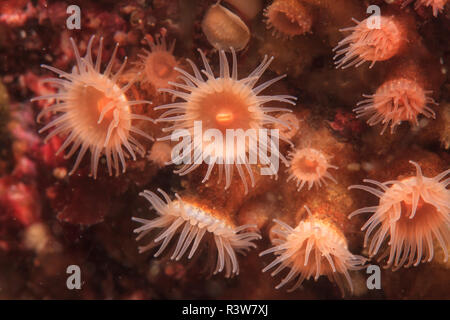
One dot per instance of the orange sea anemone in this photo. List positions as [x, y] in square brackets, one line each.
[309, 166]
[369, 43]
[288, 18]
[197, 223]
[94, 112]
[410, 213]
[160, 153]
[157, 65]
[315, 247]
[395, 101]
[221, 104]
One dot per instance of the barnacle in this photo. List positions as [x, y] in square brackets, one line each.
[224, 29]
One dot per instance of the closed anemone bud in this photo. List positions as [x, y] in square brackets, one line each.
[195, 224]
[224, 29]
[160, 153]
[369, 43]
[314, 248]
[410, 213]
[157, 65]
[288, 18]
[395, 101]
[309, 166]
[94, 112]
[437, 5]
[222, 103]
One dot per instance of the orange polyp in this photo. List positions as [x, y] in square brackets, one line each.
[310, 163]
[288, 18]
[224, 117]
[366, 44]
[226, 110]
[309, 166]
[410, 215]
[406, 204]
[314, 248]
[101, 104]
[396, 100]
[96, 118]
[157, 65]
[163, 70]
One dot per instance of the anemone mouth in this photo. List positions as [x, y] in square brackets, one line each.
[161, 65]
[395, 101]
[224, 103]
[314, 163]
[159, 69]
[411, 212]
[227, 106]
[196, 224]
[369, 44]
[309, 166]
[94, 113]
[85, 120]
[425, 214]
[314, 248]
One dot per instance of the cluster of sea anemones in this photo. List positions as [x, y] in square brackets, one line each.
[398, 99]
[415, 209]
[95, 115]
